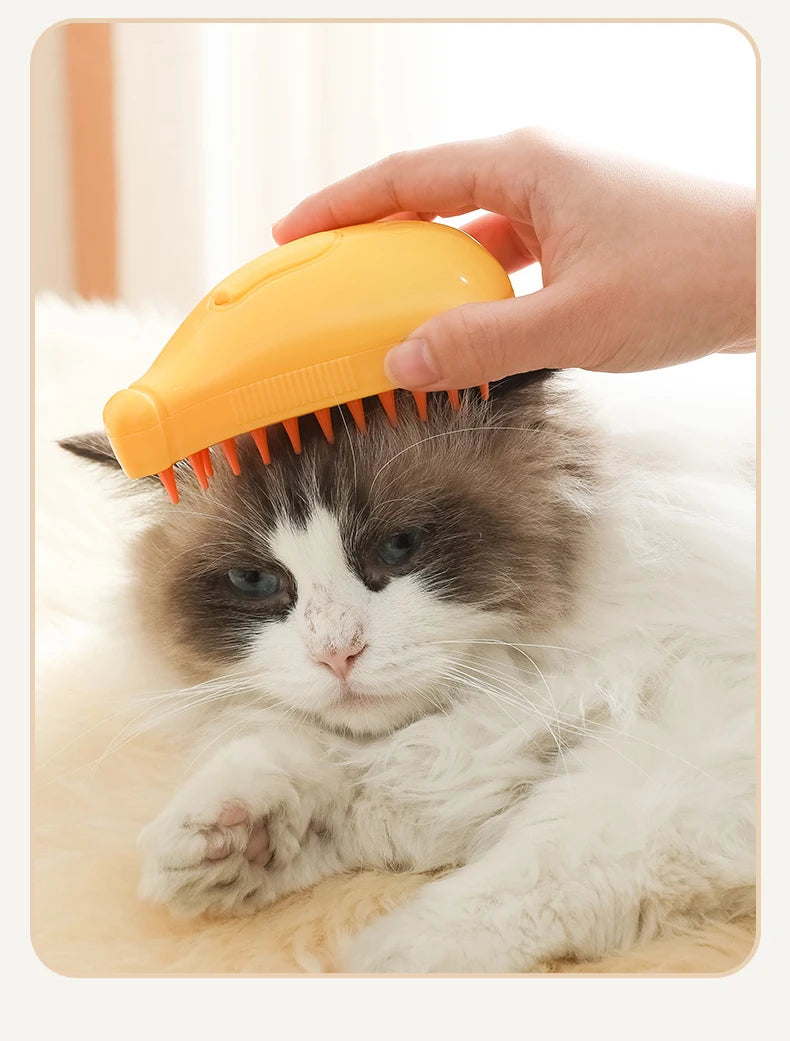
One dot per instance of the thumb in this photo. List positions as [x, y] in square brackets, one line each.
[475, 343]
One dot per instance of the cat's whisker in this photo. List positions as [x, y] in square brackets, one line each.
[533, 663]
[519, 700]
[433, 697]
[44, 763]
[527, 707]
[225, 677]
[510, 643]
[124, 737]
[350, 438]
[579, 721]
[160, 696]
[195, 698]
[479, 429]
[243, 722]
[501, 700]
[519, 694]
[483, 675]
[510, 672]
[586, 733]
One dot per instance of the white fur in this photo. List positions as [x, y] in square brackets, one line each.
[646, 820]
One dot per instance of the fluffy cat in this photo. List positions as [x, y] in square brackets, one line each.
[507, 646]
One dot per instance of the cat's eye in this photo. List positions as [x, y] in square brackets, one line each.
[398, 548]
[255, 584]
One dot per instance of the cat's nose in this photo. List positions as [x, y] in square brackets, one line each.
[340, 661]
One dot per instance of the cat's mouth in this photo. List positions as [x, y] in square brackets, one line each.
[347, 697]
[367, 710]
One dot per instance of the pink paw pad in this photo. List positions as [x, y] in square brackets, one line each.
[232, 814]
[259, 850]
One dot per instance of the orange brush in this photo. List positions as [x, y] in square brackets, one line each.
[301, 329]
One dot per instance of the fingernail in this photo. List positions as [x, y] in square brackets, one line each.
[411, 364]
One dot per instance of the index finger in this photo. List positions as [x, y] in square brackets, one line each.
[446, 180]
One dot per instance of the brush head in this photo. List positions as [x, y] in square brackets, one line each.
[297, 331]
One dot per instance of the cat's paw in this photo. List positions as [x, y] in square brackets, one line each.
[396, 944]
[421, 938]
[215, 858]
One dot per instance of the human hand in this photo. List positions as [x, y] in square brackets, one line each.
[642, 266]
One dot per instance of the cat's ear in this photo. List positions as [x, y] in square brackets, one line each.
[96, 448]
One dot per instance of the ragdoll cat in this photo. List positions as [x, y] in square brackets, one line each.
[500, 646]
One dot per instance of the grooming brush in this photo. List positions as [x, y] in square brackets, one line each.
[300, 329]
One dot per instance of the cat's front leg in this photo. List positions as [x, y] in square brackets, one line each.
[591, 863]
[245, 829]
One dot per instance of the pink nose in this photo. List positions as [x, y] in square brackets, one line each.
[340, 662]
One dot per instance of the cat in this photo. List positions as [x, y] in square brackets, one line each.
[509, 646]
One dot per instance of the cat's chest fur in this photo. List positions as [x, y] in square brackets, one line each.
[445, 775]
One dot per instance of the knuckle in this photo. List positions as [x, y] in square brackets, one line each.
[397, 160]
[526, 160]
[478, 340]
[471, 326]
[532, 138]
[391, 170]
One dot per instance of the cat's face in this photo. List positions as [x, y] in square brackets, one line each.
[357, 582]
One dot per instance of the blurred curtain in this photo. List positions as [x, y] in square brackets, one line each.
[219, 128]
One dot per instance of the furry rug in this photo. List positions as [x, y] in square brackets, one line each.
[97, 783]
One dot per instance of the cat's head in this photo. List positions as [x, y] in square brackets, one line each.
[356, 582]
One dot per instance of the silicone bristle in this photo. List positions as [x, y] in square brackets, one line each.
[357, 410]
[455, 401]
[324, 417]
[168, 479]
[262, 444]
[387, 399]
[229, 448]
[207, 464]
[485, 390]
[292, 430]
[196, 462]
[422, 404]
